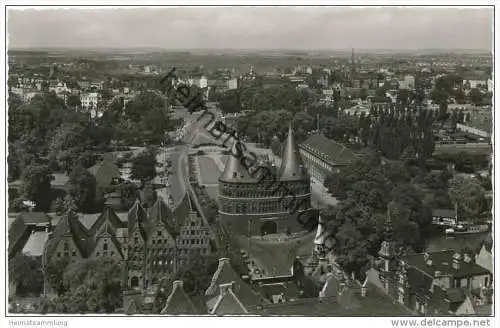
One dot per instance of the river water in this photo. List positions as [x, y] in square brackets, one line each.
[456, 243]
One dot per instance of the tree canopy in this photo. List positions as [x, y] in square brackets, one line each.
[144, 166]
[90, 286]
[83, 189]
[366, 189]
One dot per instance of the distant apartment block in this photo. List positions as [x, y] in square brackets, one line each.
[408, 82]
[84, 84]
[232, 84]
[200, 82]
[89, 100]
[474, 84]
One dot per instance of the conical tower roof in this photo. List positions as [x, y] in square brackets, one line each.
[291, 165]
[234, 170]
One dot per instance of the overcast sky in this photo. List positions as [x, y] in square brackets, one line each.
[254, 28]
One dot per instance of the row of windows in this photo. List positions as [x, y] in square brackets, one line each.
[105, 253]
[193, 241]
[162, 251]
[159, 241]
[262, 207]
[267, 190]
[317, 162]
[170, 251]
[200, 232]
[66, 254]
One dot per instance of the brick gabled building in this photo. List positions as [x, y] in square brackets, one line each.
[160, 241]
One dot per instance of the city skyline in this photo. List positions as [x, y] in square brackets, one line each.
[254, 28]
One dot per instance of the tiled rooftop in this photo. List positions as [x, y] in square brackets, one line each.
[328, 148]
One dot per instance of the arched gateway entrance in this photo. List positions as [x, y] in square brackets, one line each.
[268, 227]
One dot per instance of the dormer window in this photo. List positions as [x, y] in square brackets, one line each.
[66, 246]
[105, 247]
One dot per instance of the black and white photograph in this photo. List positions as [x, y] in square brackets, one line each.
[239, 160]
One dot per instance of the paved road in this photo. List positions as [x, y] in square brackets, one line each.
[178, 156]
[177, 186]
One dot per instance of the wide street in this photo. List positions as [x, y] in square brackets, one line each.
[178, 156]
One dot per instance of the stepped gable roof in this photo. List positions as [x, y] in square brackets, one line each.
[226, 274]
[178, 302]
[235, 171]
[291, 164]
[19, 234]
[137, 219]
[328, 149]
[227, 302]
[69, 226]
